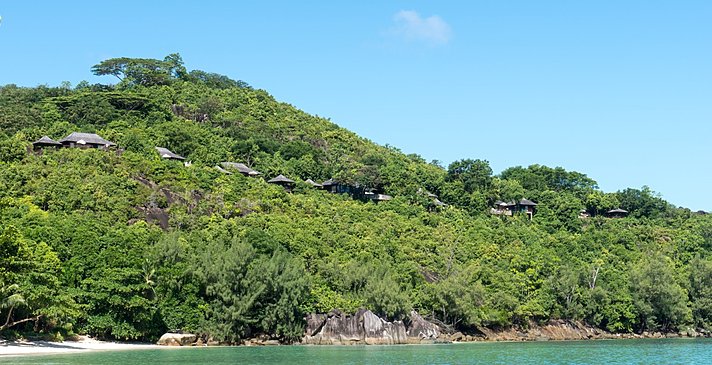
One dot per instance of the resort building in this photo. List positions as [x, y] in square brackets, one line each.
[85, 140]
[241, 168]
[168, 155]
[45, 142]
[314, 184]
[524, 206]
[285, 182]
[617, 213]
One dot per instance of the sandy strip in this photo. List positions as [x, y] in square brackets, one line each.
[85, 344]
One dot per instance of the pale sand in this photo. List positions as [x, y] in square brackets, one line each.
[85, 344]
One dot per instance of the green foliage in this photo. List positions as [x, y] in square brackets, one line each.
[642, 203]
[249, 292]
[474, 174]
[142, 71]
[700, 291]
[122, 244]
[661, 302]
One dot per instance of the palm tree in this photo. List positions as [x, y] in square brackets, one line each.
[11, 299]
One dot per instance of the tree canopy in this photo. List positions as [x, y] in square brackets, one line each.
[122, 244]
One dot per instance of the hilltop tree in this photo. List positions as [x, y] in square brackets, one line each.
[642, 202]
[142, 71]
[474, 174]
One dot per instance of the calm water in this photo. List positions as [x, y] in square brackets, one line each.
[677, 351]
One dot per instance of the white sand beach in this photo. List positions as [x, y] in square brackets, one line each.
[18, 348]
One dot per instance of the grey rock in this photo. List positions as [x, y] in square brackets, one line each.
[420, 328]
[363, 327]
[177, 339]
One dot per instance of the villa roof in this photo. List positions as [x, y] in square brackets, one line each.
[427, 193]
[281, 179]
[86, 138]
[617, 210]
[240, 167]
[45, 140]
[166, 153]
[527, 202]
[223, 170]
[382, 197]
[330, 182]
[312, 183]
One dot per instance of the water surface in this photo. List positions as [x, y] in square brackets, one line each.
[648, 351]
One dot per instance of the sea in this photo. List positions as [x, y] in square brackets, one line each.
[613, 352]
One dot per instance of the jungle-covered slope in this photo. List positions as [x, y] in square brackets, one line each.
[122, 244]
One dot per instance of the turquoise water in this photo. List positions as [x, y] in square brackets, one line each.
[673, 351]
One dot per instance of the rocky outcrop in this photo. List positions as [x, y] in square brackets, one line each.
[177, 339]
[378, 331]
[364, 327]
[422, 329]
[556, 330]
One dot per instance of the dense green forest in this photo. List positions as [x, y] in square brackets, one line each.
[122, 244]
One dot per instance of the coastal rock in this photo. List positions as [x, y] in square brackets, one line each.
[556, 330]
[457, 336]
[314, 323]
[364, 327]
[381, 332]
[177, 339]
[422, 329]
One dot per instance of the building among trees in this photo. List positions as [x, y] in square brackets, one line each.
[45, 141]
[241, 168]
[85, 140]
[617, 213]
[524, 206]
[168, 154]
[285, 182]
[313, 183]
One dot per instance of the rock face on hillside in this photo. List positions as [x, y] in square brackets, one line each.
[364, 327]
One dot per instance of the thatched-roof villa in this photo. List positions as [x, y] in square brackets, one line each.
[167, 154]
[85, 140]
[241, 168]
[283, 181]
[45, 141]
[617, 213]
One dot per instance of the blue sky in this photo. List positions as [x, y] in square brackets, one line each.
[618, 90]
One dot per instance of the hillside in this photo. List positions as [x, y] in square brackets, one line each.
[122, 244]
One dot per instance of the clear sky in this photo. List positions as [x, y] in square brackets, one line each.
[618, 90]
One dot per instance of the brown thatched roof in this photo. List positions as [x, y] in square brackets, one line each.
[166, 153]
[281, 179]
[86, 138]
[46, 141]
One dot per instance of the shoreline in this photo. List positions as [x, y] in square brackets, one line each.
[84, 345]
[87, 345]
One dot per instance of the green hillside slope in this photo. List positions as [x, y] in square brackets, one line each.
[122, 244]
